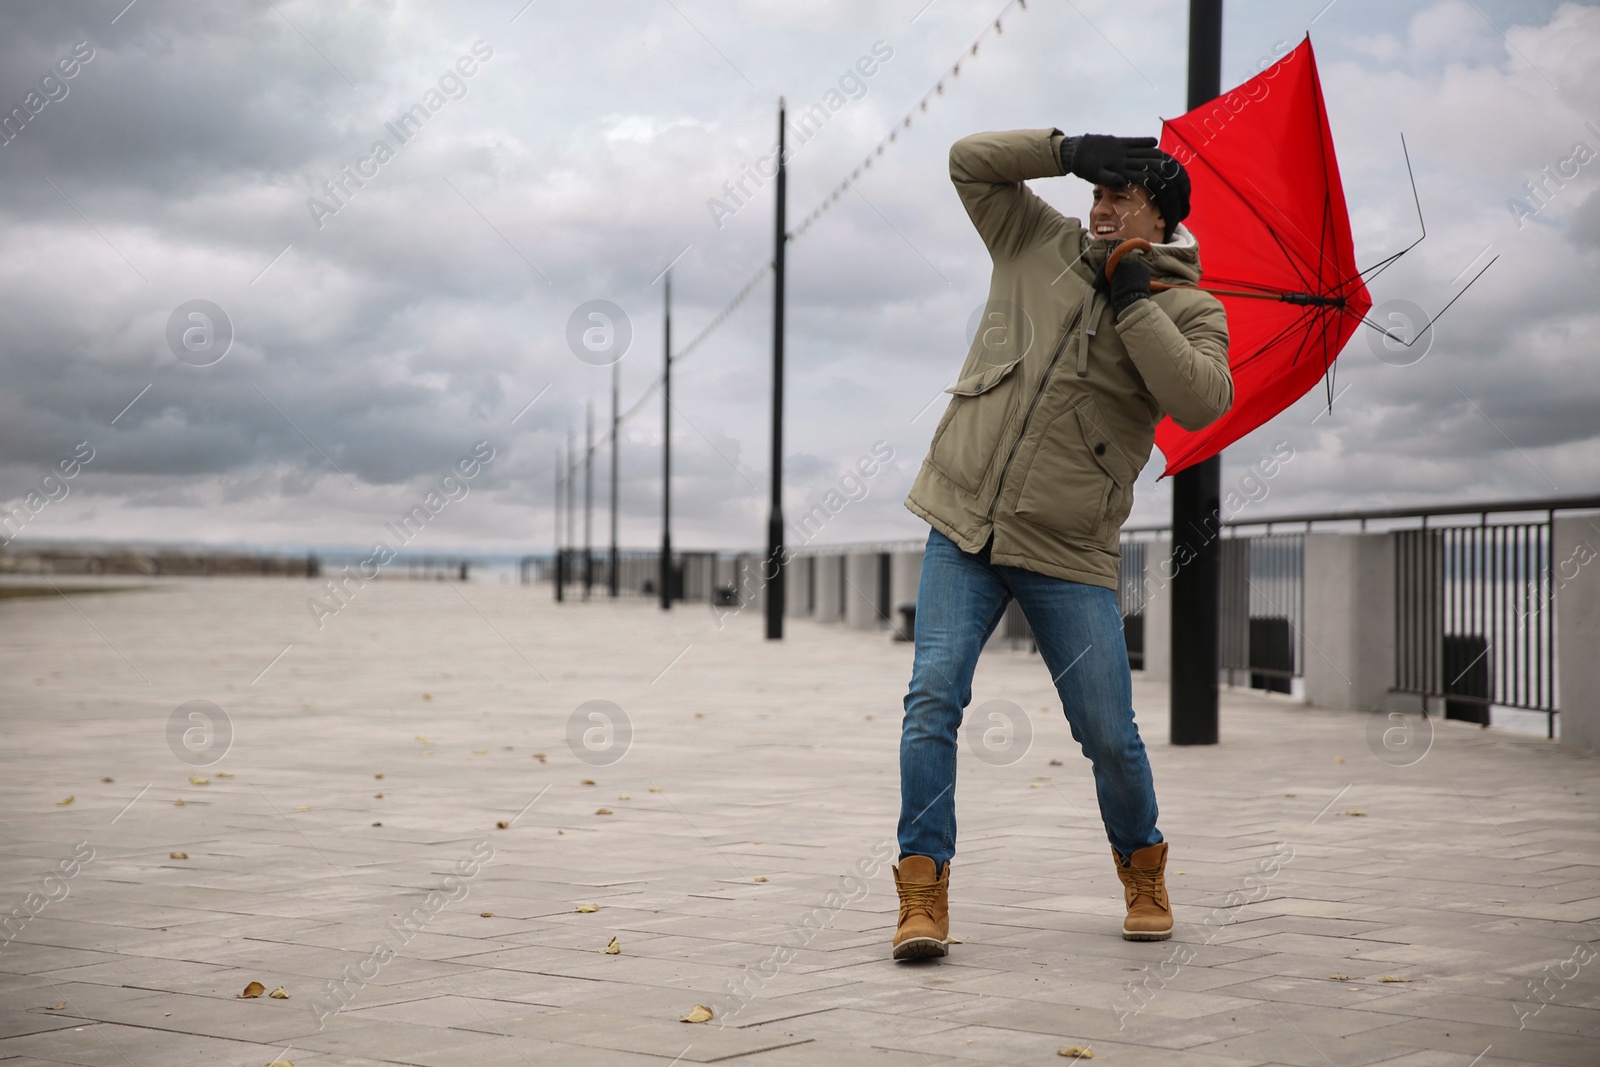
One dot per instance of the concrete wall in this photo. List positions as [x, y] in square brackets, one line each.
[1158, 611]
[905, 572]
[829, 607]
[797, 574]
[1575, 573]
[1349, 623]
[861, 590]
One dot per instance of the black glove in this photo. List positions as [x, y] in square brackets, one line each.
[1130, 284]
[1111, 161]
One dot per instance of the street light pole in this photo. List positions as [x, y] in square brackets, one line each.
[561, 558]
[572, 511]
[588, 500]
[774, 563]
[666, 446]
[1197, 491]
[616, 441]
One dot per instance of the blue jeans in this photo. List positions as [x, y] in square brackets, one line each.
[960, 600]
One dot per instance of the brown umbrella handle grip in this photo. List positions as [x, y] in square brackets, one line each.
[1131, 244]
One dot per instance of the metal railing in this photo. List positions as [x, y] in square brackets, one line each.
[1475, 618]
[1260, 607]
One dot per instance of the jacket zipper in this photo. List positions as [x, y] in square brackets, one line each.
[1061, 346]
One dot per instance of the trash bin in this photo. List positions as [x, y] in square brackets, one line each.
[907, 628]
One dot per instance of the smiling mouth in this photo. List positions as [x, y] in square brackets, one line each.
[1107, 229]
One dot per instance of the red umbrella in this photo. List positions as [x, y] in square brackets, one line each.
[1269, 213]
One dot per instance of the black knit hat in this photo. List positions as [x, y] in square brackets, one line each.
[1168, 186]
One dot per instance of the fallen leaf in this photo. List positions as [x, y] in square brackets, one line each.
[1077, 1052]
[64, 803]
[1354, 811]
[377, 824]
[761, 878]
[507, 748]
[1338, 759]
[180, 802]
[587, 781]
[177, 855]
[480, 752]
[614, 948]
[378, 776]
[57, 1007]
[107, 780]
[279, 994]
[251, 991]
[561, 833]
[699, 714]
[1392, 978]
[1041, 777]
[502, 825]
[604, 811]
[700, 1014]
[302, 807]
[224, 774]
[1338, 978]
[655, 789]
[423, 740]
[195, 779]
[1035, 785]
[1291, 795]
[377, 796]
[486, 914]
[540, 756]
[280, 1063]
[623, 796]
[588, 908]
[1180, 872]
[1055, 763]
[427, 696]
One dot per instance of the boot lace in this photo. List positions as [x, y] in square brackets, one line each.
[1145, 883]
[917, 895]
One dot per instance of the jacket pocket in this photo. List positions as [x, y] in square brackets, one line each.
[1080, 483]
[968, 438]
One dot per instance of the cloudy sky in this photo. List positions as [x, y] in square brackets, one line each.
[378, 335]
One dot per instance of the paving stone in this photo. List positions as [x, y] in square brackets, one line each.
[1474, 872]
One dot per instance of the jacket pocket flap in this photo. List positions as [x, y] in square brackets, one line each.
[1098, 436]
[982, 382]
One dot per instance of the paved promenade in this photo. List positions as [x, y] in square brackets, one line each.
[395, 820]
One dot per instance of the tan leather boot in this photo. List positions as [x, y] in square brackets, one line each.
[924, 928]
[1144, 889]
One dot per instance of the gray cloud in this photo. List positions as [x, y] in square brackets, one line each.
[430, 309]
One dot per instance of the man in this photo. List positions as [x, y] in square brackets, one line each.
[1030, 476]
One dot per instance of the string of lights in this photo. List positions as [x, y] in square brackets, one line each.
[952, 71]
[937, 90]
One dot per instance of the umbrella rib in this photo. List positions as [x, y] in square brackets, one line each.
[1265, 346]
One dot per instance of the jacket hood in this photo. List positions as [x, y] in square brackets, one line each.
[1177, 260]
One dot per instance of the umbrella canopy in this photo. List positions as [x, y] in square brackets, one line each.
[1269, 213]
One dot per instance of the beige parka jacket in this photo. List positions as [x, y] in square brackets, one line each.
[1055, 410]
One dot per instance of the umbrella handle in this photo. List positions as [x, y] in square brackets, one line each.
[1123, 249]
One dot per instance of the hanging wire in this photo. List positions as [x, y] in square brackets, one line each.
[953, 71]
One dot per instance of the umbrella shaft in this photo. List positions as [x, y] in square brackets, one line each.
[1303, 299]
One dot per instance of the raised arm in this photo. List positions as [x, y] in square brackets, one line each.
[989, 169]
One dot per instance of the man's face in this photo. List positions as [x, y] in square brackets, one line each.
[1119, 214]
